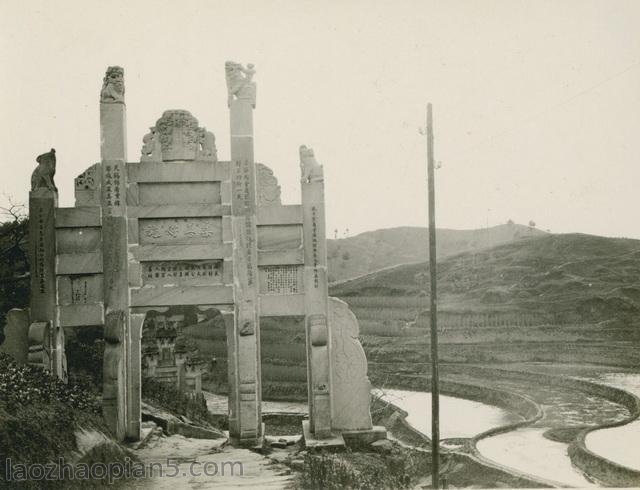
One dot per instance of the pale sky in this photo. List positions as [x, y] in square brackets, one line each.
[536, 103]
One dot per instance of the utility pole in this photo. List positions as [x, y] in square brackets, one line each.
[435, 382]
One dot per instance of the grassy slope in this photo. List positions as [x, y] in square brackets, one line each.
[595, 278]
[586, 290]
[375, 250]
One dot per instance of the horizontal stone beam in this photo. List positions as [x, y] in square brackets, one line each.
[81, 315]
[177, 171]
[280, 215]
[78, 217]
[79, 263]
[282, 305]
[153, 253]
[181, 295]
[226, 308]
[280, 257]
[178, 211]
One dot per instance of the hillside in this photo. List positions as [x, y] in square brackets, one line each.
[578, 277]
[375, 250]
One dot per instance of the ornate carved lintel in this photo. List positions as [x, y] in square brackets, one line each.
[113, 86]
[177, 136]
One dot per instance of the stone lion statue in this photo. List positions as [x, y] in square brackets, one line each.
[113, 85]
[311, 170]
[240, 81]
[42, 176]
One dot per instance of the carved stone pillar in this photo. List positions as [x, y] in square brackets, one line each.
[43, 201]
[42, 253]
[245, 414]
[316, 295]
[121, 388]
[114, 406]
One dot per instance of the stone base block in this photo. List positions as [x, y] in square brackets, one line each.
[362, 438]
[255, 444]
[310, 442]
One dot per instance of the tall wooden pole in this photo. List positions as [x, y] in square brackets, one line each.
[435, 385]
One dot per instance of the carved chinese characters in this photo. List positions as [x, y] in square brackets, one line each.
[281, 279]
[112, 185]
[180, 230]
[182, 272]
[314, 245]
[244, 204]
[40, 270]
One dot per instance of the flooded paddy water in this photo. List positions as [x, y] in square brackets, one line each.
[458, 417]
[618, 444]
[526, 449]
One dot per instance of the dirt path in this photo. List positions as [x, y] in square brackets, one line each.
[180, 462]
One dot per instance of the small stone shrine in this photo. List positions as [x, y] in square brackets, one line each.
[181, 228]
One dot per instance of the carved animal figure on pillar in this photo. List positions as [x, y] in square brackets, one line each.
[310, 168]
[42, 176]
[113, 86]
[240, 82]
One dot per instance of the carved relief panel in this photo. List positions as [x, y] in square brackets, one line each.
[177, 136]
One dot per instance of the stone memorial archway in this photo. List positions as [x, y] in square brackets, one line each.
[181, 228]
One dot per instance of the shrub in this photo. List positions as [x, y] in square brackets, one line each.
[39, 414]
[191, 405]
[363, 470]
[24, 385]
